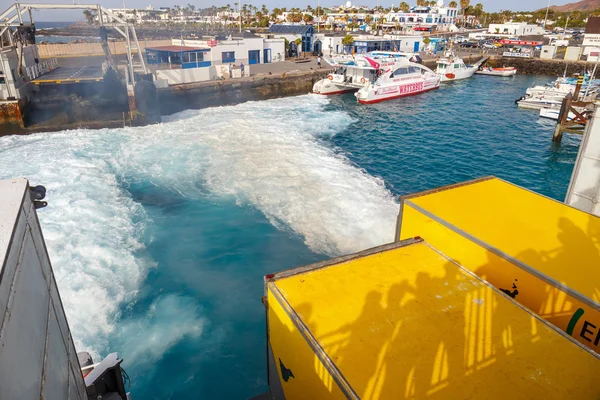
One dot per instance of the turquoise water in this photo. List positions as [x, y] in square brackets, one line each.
[160, 236]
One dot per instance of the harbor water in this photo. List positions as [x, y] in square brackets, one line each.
[160, 236]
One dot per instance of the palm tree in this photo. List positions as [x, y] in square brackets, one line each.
[464, 4]
[404, 7]
[478, 9]
[307, 18]
[452, 4]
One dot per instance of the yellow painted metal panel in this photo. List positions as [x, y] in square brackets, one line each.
[547, 236]
[410, 323]
[291, 352]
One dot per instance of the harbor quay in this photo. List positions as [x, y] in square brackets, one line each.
[47, 112]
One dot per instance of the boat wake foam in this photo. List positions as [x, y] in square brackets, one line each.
[270, 155]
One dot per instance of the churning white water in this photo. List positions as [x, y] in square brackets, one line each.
[268, 155]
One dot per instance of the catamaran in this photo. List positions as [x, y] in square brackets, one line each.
[404, 78]
[354, 71]
[378, 79]
[349, 75]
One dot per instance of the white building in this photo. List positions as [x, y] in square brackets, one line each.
[515, 29]
[137, 15]
[441, 17]
[248, 50]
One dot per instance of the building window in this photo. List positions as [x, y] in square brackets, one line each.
[228, 56]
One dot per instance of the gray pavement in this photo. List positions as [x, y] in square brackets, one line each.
[71, 74]
[285, 67]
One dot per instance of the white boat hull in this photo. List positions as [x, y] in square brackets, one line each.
[536, 104]
[458, 74]
[393, 90]
[498, 72]
[553, 113]
[327, 87]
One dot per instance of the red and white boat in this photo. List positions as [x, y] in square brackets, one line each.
[352, 72]
[403, 78]
[504, 71]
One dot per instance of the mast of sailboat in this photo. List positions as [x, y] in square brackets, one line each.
[547, 9]
[591, 78]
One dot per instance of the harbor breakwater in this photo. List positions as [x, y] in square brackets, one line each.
[536, 66]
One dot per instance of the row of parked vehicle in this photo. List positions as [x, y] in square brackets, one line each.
[481, 44]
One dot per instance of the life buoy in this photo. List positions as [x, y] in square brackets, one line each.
[450, 76]
[362, 80]
[330, 77]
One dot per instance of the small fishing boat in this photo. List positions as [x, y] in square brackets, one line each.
[453, 68]
[404, 78]
[504, 71]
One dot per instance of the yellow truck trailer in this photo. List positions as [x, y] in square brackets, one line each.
[405, 321]
[542, 253]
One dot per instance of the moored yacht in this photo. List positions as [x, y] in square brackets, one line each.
[453, 68]
[404, 78]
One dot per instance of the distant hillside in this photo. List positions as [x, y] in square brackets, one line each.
[583, 5]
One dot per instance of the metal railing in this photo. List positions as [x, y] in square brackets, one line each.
[37, 70]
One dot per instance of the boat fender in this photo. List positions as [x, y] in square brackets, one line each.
[330, 77]
[362, 80]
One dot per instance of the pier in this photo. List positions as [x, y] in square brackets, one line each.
[572, 106]
[24, 104]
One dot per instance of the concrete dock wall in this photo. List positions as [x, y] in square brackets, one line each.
[217, 93]
[536, 66]
[91, 49]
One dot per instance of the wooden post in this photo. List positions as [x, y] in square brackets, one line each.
[562, 118]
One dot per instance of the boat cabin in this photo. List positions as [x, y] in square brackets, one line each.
[407, 70]
[450, 64]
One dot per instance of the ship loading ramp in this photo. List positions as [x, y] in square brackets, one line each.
[405, 321]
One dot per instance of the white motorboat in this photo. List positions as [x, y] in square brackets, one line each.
[505, 71]
[553, 113]
[453, 68]
[351, 75]
[554, 90]
[343, 79]
[404, 78]
[539, 102]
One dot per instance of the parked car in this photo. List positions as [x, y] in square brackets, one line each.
[469, 45]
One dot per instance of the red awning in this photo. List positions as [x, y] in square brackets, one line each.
[520, 42]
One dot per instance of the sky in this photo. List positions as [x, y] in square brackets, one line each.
[488, 5]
